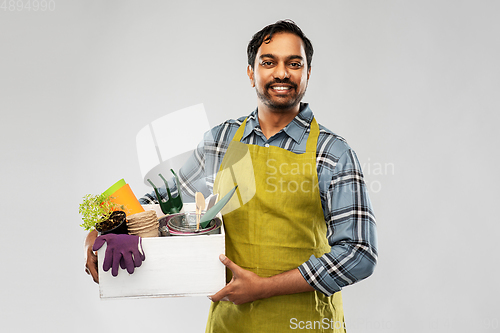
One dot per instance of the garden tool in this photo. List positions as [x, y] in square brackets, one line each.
[200, 206]
[210, 214]
[172, 205]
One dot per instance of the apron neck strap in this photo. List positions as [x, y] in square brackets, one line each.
[312, 140]
[239, 133]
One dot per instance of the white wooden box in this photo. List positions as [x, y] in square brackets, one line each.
[174, 266]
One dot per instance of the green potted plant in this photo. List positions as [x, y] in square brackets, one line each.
[100, 213]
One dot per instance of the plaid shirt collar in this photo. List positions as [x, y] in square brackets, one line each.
[296, 129]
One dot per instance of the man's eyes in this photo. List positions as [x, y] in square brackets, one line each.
[271, 63]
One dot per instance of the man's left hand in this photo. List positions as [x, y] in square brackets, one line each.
[244, 287]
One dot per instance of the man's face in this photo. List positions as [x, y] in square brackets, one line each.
[280, 72]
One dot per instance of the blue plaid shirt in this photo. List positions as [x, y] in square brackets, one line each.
[351, 230]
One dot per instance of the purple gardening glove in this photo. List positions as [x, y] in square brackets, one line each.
[123, 250]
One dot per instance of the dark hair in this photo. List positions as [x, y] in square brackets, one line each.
[266, 34]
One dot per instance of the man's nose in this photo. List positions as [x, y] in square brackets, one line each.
[281, 71]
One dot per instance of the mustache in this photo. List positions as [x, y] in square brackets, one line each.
[283, 81]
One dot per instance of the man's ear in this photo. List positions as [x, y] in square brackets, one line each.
[250, 75]
[308, 73]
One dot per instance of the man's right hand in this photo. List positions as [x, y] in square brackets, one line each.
[91, 258]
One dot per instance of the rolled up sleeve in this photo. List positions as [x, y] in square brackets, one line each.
[351, 231]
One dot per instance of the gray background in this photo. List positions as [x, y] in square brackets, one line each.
[412, 85]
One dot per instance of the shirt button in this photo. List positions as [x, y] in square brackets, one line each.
[266, 145]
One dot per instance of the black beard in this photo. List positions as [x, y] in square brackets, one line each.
[285, 105]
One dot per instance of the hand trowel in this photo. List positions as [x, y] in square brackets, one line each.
[210, 214]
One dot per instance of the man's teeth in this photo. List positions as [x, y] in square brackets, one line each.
[281, 88]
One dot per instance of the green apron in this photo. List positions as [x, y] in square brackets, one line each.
[275, 231]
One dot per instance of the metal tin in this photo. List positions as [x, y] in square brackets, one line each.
[184, 224]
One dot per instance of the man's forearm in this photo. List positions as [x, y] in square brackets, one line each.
[291, 282]
[246, 286]
[90, 257]
[90, 239]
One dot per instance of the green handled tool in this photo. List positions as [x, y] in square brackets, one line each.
[210, 214]
[172, 205]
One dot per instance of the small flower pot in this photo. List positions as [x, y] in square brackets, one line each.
[118, 222]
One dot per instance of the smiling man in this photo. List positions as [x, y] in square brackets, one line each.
[291, 248]
[281, 73]
[309, 230]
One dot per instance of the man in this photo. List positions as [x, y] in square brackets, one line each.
[309, 229]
